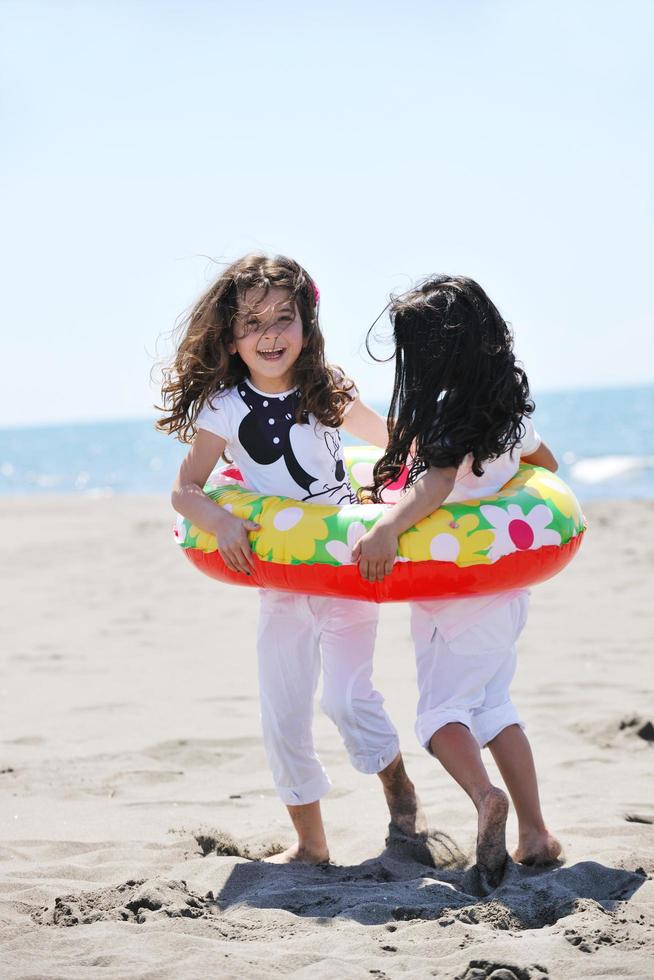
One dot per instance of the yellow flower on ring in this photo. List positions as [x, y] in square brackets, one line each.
[443, 538]
[290, 530]
[237, 501]
[546, 486]
[201, 540]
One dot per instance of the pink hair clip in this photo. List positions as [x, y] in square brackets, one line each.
[316, 293]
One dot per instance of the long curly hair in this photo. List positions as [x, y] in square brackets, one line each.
[202, 364]
[458, 388]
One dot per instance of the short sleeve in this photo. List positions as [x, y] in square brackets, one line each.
[214, 417]
[350, 387]
[354, 393]
[530, 440]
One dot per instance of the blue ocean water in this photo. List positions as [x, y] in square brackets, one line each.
[604, 441]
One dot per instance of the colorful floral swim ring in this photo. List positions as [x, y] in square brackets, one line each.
[522, 535]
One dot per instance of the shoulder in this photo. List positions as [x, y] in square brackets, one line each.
[530, 440]
[214, 403]
[340, 378]
[215, 414]
[223, 398]
[344, 382]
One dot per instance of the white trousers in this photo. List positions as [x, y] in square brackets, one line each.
[296, 633]
[467, 679]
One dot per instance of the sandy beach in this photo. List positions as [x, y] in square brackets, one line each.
[135, 797]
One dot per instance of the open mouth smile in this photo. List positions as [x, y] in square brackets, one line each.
[273, 354]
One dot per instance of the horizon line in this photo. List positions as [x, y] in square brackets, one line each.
[111, 420]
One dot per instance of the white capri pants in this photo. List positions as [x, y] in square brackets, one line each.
[294, 631]
[467, 679]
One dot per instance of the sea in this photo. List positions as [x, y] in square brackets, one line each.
[603, 439]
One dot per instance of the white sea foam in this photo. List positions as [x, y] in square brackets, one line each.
[599, 469]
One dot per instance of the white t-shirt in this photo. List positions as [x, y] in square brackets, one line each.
[276, 455]
[452, 616]
[497, 472]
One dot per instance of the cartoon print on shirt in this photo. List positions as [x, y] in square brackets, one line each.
[265, 434]
[334, 446]
[342, 490]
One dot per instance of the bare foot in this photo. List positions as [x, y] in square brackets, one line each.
[537, 850]
[404, 806]
[491, 842]
[304, 855]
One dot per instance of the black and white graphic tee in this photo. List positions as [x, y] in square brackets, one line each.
[276, 455]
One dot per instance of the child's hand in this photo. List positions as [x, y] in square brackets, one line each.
[233, 545]
[376, 552]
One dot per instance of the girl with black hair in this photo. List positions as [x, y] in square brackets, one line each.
[461, 409]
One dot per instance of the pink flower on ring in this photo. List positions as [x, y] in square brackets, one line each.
[517, 531]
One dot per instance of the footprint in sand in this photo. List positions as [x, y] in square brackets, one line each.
[230, 700]
[588, 944]
[143, 777]
[629, 731]
[218, 842]
[489, 970]
[26, 740]
[494, 915]
[188, 752]
[643, 729]
[105, 706]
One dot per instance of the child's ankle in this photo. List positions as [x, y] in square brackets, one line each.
[313, 845]
[537, 847]
[532, 831]
[313, 850]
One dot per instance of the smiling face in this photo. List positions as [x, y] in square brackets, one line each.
[268, 336]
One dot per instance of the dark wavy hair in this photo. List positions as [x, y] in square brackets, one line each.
[203, 365]
[458, 388]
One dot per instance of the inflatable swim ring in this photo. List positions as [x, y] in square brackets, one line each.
[522, 535]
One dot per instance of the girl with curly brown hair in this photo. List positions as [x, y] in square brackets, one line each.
[461, 409]
[250, 378]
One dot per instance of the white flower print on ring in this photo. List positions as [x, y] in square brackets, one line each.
[343, 552]
[517, 531]
[287, 518]
[180, 529]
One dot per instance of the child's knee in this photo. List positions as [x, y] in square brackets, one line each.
[367, 732]
[431, 722]
[489, 722]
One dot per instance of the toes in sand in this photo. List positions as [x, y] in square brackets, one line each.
[538, 851]
[302, 855]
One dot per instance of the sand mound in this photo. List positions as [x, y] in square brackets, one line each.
[393, 887]
[132, 902]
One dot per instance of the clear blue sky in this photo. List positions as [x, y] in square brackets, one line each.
[375, 142]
